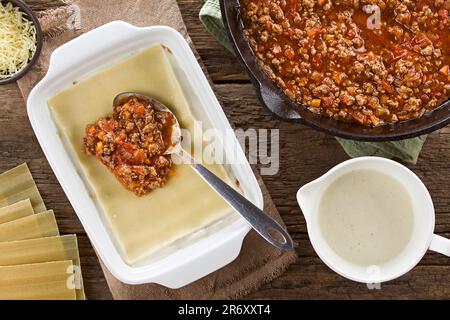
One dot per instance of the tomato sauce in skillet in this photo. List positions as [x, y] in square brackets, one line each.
[372, 62]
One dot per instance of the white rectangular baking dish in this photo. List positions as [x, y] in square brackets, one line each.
[95, 51]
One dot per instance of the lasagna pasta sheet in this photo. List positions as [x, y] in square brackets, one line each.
[35, 262]
[50, 249]
[35, 226]
[17, 184]
[55, 290]
[49, 280]
[16, 211]
[140, 225]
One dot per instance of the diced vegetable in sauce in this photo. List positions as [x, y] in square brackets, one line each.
[131, 143]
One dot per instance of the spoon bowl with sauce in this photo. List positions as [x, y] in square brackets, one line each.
[370, 219]
[267, 227]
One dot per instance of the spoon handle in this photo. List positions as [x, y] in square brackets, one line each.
[267, 227]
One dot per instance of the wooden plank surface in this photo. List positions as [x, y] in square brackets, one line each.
[305, 155]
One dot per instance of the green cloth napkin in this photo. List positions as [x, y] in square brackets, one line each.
[406, 150]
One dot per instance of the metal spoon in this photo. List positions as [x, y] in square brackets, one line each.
[268, 228]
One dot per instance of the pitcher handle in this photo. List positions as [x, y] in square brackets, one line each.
[440, 244]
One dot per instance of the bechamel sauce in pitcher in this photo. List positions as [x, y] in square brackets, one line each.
[366, 217]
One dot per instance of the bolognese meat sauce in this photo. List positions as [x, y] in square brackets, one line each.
[366, 61]
[131, 143]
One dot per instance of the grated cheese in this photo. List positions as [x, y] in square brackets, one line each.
[17, 40]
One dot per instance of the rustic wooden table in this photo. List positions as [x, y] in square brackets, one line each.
[305, 155]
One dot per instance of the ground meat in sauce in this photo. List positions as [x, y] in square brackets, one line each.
[323, 55]
[131, 143]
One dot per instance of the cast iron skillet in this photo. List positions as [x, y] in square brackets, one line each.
[274, 99]
[39, 39]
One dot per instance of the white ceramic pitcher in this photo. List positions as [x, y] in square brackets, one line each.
[423, 237]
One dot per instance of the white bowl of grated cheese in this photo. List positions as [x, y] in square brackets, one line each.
[20, 40]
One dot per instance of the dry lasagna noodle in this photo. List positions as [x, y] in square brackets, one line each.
[49, 280]
[55, 290]
[17, 184]
[59, 248]
[35, 226]
[16, 211]
[47, 267]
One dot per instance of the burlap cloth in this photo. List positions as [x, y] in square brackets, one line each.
[258, 263]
